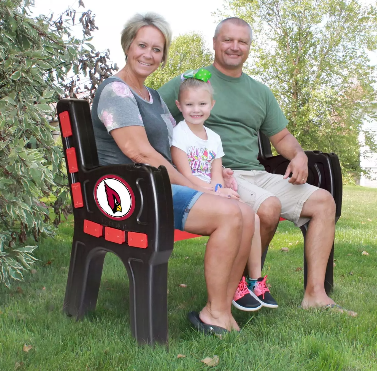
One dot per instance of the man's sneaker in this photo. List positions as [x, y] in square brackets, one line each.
[261, 293]
[243, 300]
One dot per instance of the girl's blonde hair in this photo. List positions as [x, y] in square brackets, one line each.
[195, 84]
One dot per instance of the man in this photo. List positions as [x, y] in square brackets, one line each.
[243, 107]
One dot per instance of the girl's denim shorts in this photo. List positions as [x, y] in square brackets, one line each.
[183, 200]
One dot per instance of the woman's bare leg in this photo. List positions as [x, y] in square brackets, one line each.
[225, 256]
[248, 217]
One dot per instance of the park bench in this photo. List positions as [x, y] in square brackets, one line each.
[128, 210]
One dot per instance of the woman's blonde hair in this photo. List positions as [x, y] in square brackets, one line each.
[138, 21]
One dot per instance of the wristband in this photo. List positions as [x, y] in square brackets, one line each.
[217, 186]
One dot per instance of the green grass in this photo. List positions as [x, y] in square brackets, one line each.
[288, 338]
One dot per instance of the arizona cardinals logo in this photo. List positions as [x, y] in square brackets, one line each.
[114, 197]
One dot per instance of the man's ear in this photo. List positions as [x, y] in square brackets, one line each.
[178, 105]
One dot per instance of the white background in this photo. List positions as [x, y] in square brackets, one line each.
[111, 15]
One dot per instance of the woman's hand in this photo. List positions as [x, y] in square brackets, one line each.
[228, 193]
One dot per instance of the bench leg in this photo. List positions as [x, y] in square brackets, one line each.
[84, 278]
[329, 276]
[148, 301]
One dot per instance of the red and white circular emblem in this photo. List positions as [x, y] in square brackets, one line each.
[114, 197]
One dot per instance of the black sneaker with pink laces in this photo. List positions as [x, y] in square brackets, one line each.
[261, 293]
[243, 300]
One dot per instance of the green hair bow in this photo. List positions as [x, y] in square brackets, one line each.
[200, 74]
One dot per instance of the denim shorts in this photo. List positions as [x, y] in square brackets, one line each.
[184, 199]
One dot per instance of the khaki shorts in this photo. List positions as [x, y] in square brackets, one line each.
[255, 186]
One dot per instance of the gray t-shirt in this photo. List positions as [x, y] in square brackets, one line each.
[115, 105]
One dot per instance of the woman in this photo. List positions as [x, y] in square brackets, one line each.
[133, 124]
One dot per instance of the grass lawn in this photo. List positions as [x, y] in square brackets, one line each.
[288, 338]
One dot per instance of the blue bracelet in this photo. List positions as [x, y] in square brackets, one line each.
[217, 186]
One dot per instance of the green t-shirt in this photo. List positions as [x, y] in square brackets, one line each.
[243, 107]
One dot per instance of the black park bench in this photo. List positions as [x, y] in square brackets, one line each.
[128, 210]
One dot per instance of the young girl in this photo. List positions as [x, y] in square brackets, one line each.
[196, 152]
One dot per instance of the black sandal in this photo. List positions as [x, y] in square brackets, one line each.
[199, 325]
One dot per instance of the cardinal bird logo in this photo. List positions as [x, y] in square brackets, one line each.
[113, 199]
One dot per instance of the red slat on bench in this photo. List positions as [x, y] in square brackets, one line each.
[181, 235]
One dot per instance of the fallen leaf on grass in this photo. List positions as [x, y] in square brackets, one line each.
[33, 271]
[349, 254]
[284, 249]
[369, 220]
[298, 269]
[364, 253]
[19, 290]
[210, 362]
[181, 356]
[26, 348]
[17, 365]
[334, 264]
[351, 273]
[182, 285]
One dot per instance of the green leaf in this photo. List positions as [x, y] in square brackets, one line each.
[15, 274]
[10, 37]
[16, 75]
[91, 46]
[72, 51]
[44, 65]
[44, 107]
[5, 276]
[8, 63]
[9, 100]
[36, 175]
[26, 249]
[48, 93]
[12, 24]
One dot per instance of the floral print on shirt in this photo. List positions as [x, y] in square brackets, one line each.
[121, 89]
[118, 108]
[107, 118]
